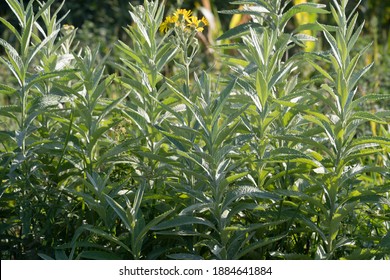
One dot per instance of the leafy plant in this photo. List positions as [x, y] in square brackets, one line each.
[143, 153]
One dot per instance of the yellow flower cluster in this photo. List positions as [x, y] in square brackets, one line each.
[183, 18]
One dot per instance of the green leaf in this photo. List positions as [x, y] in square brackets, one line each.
[296, 139]
[231, 179]
[45, 257]
[367, 116]
[354, 61]
[240, 30]
[182, 221]
[355, 37]
[18, 11]
[303, 7]
[321, 70]
[98, 232]
[261, 88]
[385, 241]
[247, 191]
[141, 28]
[333, 44]
[291, 155]
[256, 245]
[373, 97]
[125, 49]
[226, 130]
[14, 58]
[7, 90]
[279, 75]
[46, 6]
[223, 96]
[190, 105]
[11, 28]
[312, 226]
[260, 3]
[256, 226]
[314, 27]
[180, 142]
[151, 225]
[113, 105]
[310, 198]
[37, 48]
[338, 217]
[165, 55]
[27, 32]
[371, 140]
[120, 211]
[46, 76]
[251, 10]
[357, 76]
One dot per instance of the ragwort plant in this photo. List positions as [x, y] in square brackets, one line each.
[268, 79]
[31, 199]
[302, 154]
[343, 181]
[162, 160]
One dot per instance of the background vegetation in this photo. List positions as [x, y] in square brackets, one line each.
[264, 137]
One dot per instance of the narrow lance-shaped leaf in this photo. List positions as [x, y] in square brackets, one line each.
[18, 10]
[96, 231]
[151, 225]
[182, 221]
[14, 71]
[11, 28]
[27, 32]
[355, 37]
[255, 245]
[356, 77]
[13, 56]
[261, 3]
[279, 75]
[120, 211]
[240, 30]
[128, 51]
[251, 10]
[7, 90]
[166, 57]
[333, 44]
[367, 116]
[371, 140]
[45, 9]
[32, 54]
[303, 7]
[261, 88]
[141, 28]
[222, 100]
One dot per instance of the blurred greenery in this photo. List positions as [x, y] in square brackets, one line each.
[102, 23]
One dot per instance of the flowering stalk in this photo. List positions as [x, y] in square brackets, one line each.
[185, 27]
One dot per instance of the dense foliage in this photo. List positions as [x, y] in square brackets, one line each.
[184, 142]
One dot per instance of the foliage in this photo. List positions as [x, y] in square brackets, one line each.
[144, 153]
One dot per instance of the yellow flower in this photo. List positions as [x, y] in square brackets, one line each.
[182, 19]
[197, 24]
[182, 14]
[168, 23]
[204, 21]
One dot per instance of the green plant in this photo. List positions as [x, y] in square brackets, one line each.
[279, 154]
[340, 185]
[29, 186]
